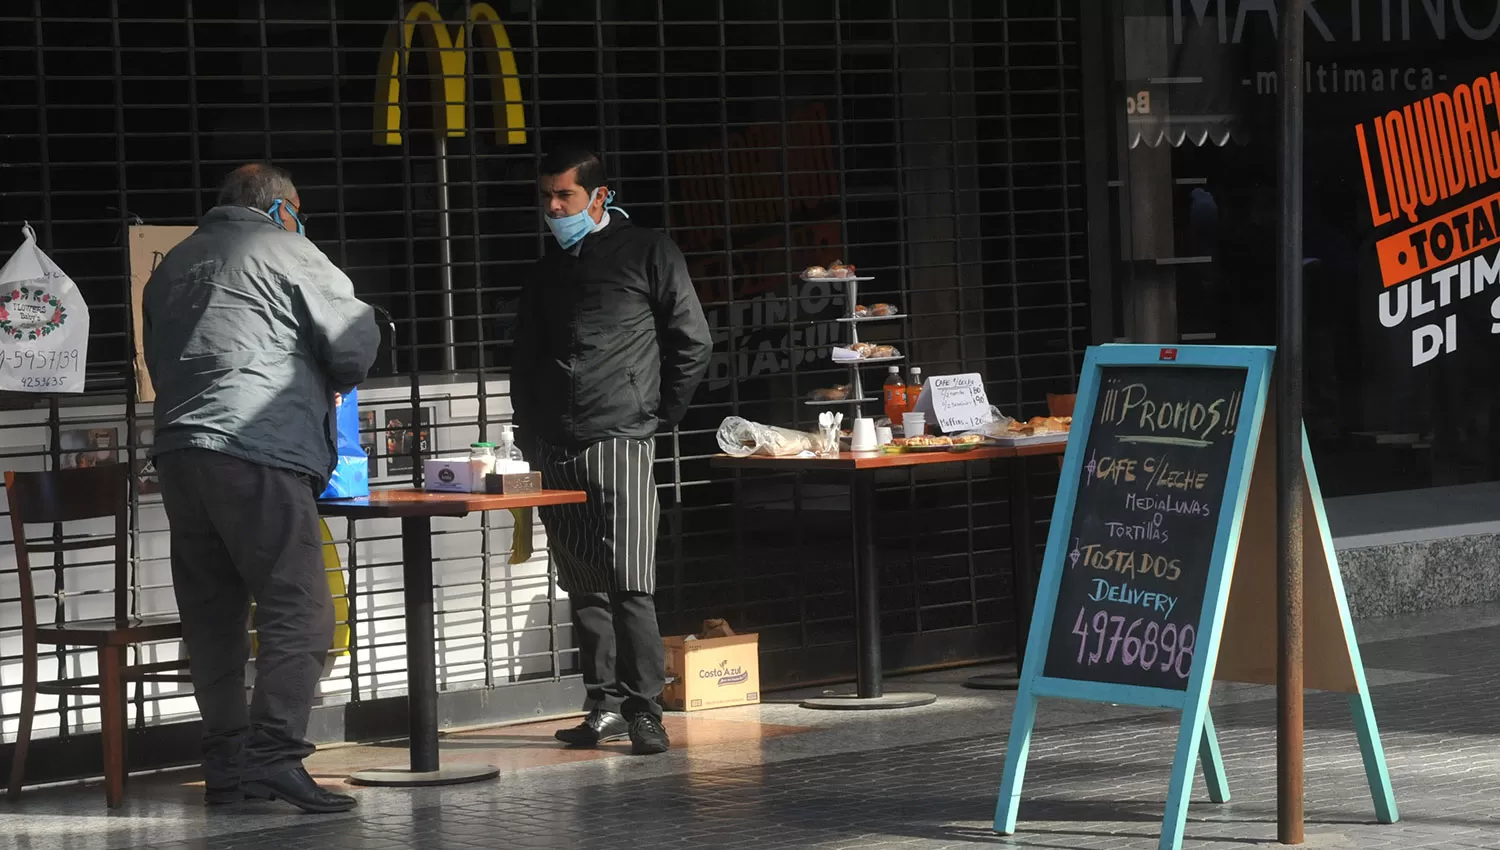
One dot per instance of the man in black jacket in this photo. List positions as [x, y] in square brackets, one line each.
[610, 345]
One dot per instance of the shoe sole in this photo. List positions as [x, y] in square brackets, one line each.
[649, 749]
[607, 739]
[228, 798]
[310, 809]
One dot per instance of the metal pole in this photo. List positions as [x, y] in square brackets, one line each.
[1289, 467]
[445, 251]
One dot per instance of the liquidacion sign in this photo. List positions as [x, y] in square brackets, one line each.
[1419, 162]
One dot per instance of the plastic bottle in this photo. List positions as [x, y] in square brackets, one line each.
[508, 450]
[895, 395]
[914, 388]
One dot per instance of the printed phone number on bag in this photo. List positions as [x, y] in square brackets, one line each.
[32, 360]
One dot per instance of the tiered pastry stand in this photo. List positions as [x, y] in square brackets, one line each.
[856, 381]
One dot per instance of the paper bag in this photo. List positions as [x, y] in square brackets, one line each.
[351, 475]
[44, 324]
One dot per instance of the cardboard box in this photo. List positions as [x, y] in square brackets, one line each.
[449, 475]
[712, 673]
[456, 475]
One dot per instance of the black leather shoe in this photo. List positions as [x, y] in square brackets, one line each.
[600, 727]
[299, 789]
[647, 736]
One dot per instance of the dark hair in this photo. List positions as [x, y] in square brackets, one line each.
[257, 185]
[565, 158]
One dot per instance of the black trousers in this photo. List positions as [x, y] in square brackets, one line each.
[620, 651]
[243, 531]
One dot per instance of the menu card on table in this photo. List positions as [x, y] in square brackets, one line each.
[955, 402]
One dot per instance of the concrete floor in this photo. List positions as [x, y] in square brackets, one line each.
[776, 775]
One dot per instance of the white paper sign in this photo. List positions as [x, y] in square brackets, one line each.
[44, 324]
[955, 402]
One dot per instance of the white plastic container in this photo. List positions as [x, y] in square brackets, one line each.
[481, 463]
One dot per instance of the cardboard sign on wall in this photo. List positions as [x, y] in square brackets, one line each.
[148, 245]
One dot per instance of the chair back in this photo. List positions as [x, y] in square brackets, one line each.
[1061, 404]
[64, 496]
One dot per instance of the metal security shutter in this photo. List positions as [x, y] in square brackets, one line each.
[935, 144]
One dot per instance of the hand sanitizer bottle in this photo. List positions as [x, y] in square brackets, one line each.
[509, 460]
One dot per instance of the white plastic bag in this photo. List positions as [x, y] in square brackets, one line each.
[743, 438]
[44, 324]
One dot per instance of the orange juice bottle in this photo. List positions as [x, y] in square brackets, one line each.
[895, 395]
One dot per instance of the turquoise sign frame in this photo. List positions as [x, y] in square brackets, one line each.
[1196, 736]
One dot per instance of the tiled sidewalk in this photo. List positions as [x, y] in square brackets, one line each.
[780, 777]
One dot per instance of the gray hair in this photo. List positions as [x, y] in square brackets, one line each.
[256, 185]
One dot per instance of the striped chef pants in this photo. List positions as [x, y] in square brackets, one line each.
[607, 543]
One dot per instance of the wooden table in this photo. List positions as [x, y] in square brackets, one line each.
[415, 509]
[862, 467]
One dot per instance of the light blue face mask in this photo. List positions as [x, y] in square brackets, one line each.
[274, 213]
[570, 230]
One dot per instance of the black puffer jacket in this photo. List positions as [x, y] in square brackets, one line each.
[609, 343]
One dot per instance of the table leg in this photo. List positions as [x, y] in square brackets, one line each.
[1023, 573]
[421, 660]
[869, 694]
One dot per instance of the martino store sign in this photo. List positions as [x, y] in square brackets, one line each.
[1202, 88]
[448, 55]
[1344, 20]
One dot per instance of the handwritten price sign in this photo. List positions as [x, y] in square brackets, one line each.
[956, 402]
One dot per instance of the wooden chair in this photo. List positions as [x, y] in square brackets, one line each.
[63, 497]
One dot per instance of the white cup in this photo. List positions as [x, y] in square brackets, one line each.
[913, 424]
[883, 435]
[862, 438]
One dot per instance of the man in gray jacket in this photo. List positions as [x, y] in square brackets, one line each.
[250, 335]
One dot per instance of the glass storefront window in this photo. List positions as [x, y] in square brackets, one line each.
[1401, 346]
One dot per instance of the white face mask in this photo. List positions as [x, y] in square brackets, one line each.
[570, 230]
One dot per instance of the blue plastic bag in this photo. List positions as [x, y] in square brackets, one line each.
[351, 477]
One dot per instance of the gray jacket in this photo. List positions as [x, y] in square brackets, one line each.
[248, 331]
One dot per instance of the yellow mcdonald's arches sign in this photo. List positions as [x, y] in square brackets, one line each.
[448, 96]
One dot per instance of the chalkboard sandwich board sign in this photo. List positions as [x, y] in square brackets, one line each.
[1147, 511]
[1166, 452]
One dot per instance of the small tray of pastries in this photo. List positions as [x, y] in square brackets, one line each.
[926, 443]
[865, 351]
[839, 270]
[837, 394]
[1037, 429]
[863, 313]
